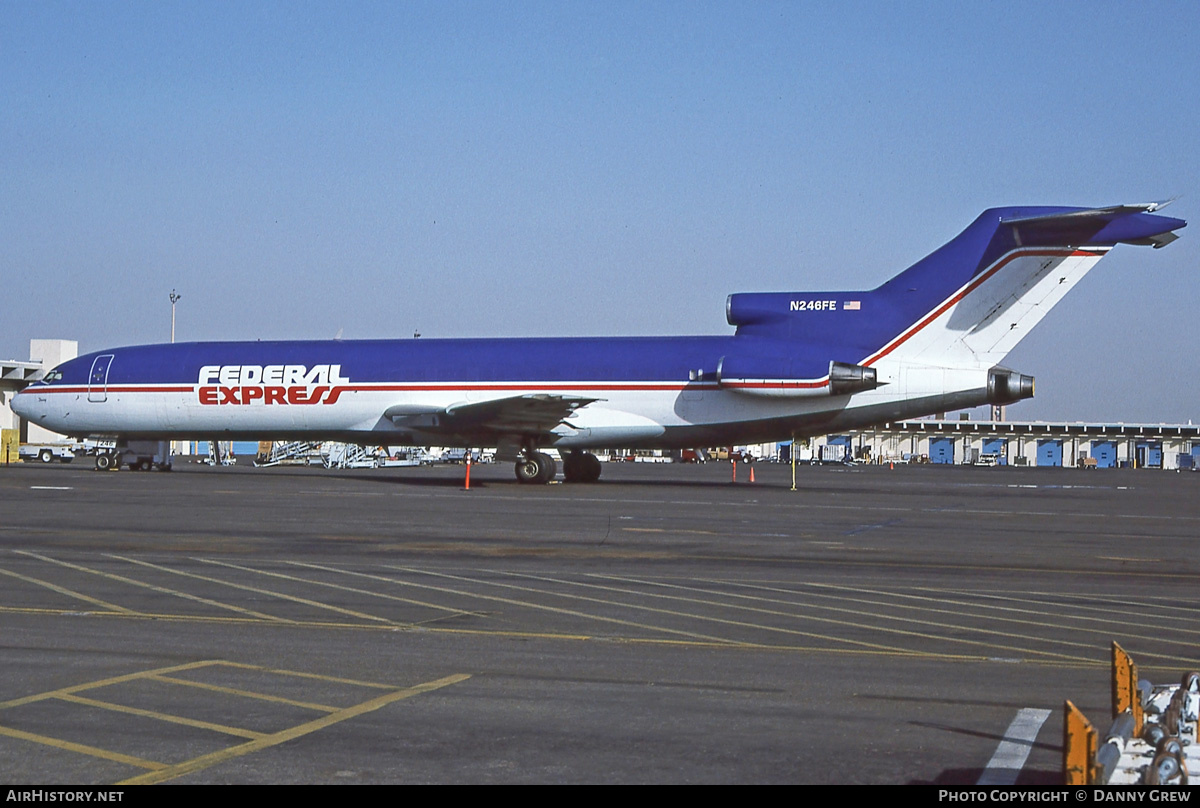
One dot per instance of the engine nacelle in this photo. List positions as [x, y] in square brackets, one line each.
[753, 378]
[845, 379]
[1007, 386]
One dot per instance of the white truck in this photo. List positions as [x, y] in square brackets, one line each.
[64, 452]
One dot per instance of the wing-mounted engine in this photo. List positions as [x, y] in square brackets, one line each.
[779, 379]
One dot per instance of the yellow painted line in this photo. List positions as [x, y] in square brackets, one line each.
[1157, 608]
[112, 680]
[205, 761]
[220, 605]
[793, 615]
[82, 749]
[249, 694]
[1120, 558]
[162, 590]
[669, 530]
[528, 604]
[166, 717]
[917, 620]
[368, 592]
[199, 618]
[66, 612]
[303, 675]
[64, 591]
[280, 595]
[653, 610]
[941, 598]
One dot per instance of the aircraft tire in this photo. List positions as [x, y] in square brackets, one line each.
[590, 467]
[528, 470]
[572, 466]
[548, 468]
[581, 467]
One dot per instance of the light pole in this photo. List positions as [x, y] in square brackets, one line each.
[174, 299]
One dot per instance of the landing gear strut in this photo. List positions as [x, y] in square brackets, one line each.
[581, 467]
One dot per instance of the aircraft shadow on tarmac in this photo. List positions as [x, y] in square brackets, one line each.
[458, 481]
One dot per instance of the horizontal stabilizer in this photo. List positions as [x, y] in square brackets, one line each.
[1088, 213]
[1118, 224]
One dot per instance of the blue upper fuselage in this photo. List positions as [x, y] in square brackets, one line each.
[421, 360]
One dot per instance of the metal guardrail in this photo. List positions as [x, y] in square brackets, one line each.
[1152, 740]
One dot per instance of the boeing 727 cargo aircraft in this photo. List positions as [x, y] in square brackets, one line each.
[930, 339]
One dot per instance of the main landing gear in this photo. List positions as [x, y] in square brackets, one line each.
[539, 467]
[581, 467]
[536, 467]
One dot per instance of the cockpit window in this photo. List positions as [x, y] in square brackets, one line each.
[53, 376]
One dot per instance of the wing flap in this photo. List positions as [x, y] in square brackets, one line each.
[532, 414]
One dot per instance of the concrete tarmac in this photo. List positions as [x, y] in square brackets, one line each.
[293, 625]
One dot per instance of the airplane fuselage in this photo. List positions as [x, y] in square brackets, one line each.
[655, 391]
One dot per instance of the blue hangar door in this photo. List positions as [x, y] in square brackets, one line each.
[941, 450]
[997, 447]
[1105, 453]
[1149, 455]
[1049, 453]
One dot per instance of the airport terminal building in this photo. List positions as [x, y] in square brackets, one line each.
[1024, 443]
[16, 374]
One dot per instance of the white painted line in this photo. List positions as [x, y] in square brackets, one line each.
[52, 487]
[1005, 765]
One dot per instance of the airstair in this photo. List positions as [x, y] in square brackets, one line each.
[349, 456]
[288, 453]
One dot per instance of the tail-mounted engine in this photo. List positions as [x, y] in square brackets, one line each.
[1007, 386]
[752, 378]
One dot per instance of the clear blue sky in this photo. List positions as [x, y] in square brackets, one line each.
[577, 168]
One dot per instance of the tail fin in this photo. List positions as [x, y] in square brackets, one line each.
[967, 304]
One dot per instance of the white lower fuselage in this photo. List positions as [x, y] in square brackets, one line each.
[624, 414]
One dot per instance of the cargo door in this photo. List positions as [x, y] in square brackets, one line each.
[98, 380]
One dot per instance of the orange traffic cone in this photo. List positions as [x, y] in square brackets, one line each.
[752, 474]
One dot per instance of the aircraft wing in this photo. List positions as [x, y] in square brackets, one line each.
[520, 416]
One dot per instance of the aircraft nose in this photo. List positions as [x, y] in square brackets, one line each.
[24, 404]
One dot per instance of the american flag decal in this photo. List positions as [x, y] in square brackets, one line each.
[852, 305]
